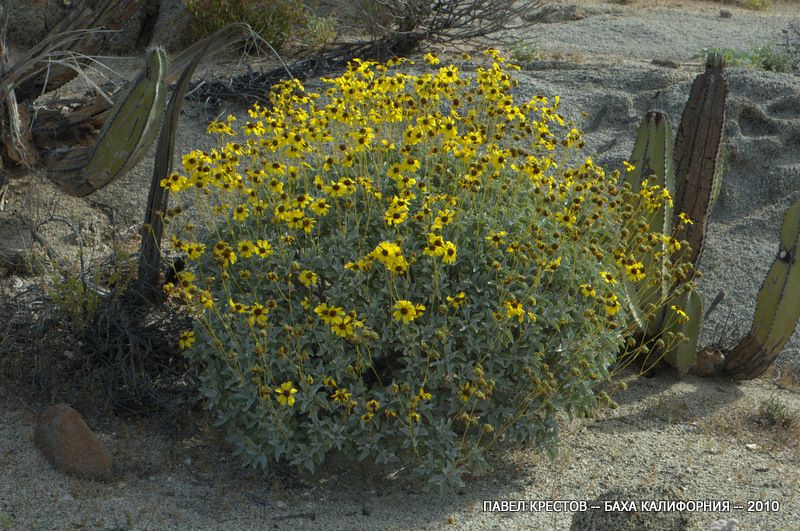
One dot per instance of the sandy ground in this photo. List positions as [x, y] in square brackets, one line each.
[703, 439]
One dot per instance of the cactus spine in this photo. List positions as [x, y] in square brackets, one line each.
[777, 307]
[125, 138]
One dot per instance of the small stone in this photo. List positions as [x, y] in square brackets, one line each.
[726, 524]
[67, 498]
[724, 13]
[187, 461]
[751, 446]
[281, 504]
[69, 445]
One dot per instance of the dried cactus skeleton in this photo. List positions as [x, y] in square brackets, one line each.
[44, 69]
[125, 137]
[101, 139]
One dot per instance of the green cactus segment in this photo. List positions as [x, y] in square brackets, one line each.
[684, 354]
[697, 153]
[652, 159]
[634, 304]
[777, 307]
[126, 135]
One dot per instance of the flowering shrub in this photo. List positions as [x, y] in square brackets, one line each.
[411, 268]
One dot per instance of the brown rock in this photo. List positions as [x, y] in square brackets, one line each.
[70, 446]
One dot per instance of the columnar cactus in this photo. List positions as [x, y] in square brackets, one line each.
[697, 154]
[691, 174]
[777, 308]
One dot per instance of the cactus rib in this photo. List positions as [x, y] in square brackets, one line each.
[127, 134]
[697, 153]
[777, 307]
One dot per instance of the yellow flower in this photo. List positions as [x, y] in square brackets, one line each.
[175, 182]
[308, 278]
[237, 307]
[435, 247]
[514, 310]
[628, 166]
[320, 207]
[612, 304]
[258, 315]
[343, 326]
[263, 248]
[224, 254]
[195, 250]
[395, 216]
[286, 394]
[496, 238]
[341, 395]
[430, 59]
[450, 252]
[206, 299]
[466, 391]
[682, 317]
[328, 314]
[457, 301]
[246, 248]
[553, 264]
[635, 271]
[240, 213]
[588, 290]
[685, 219]
[186, 340]
[406, 311]
[608, 277]
[443, 217]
